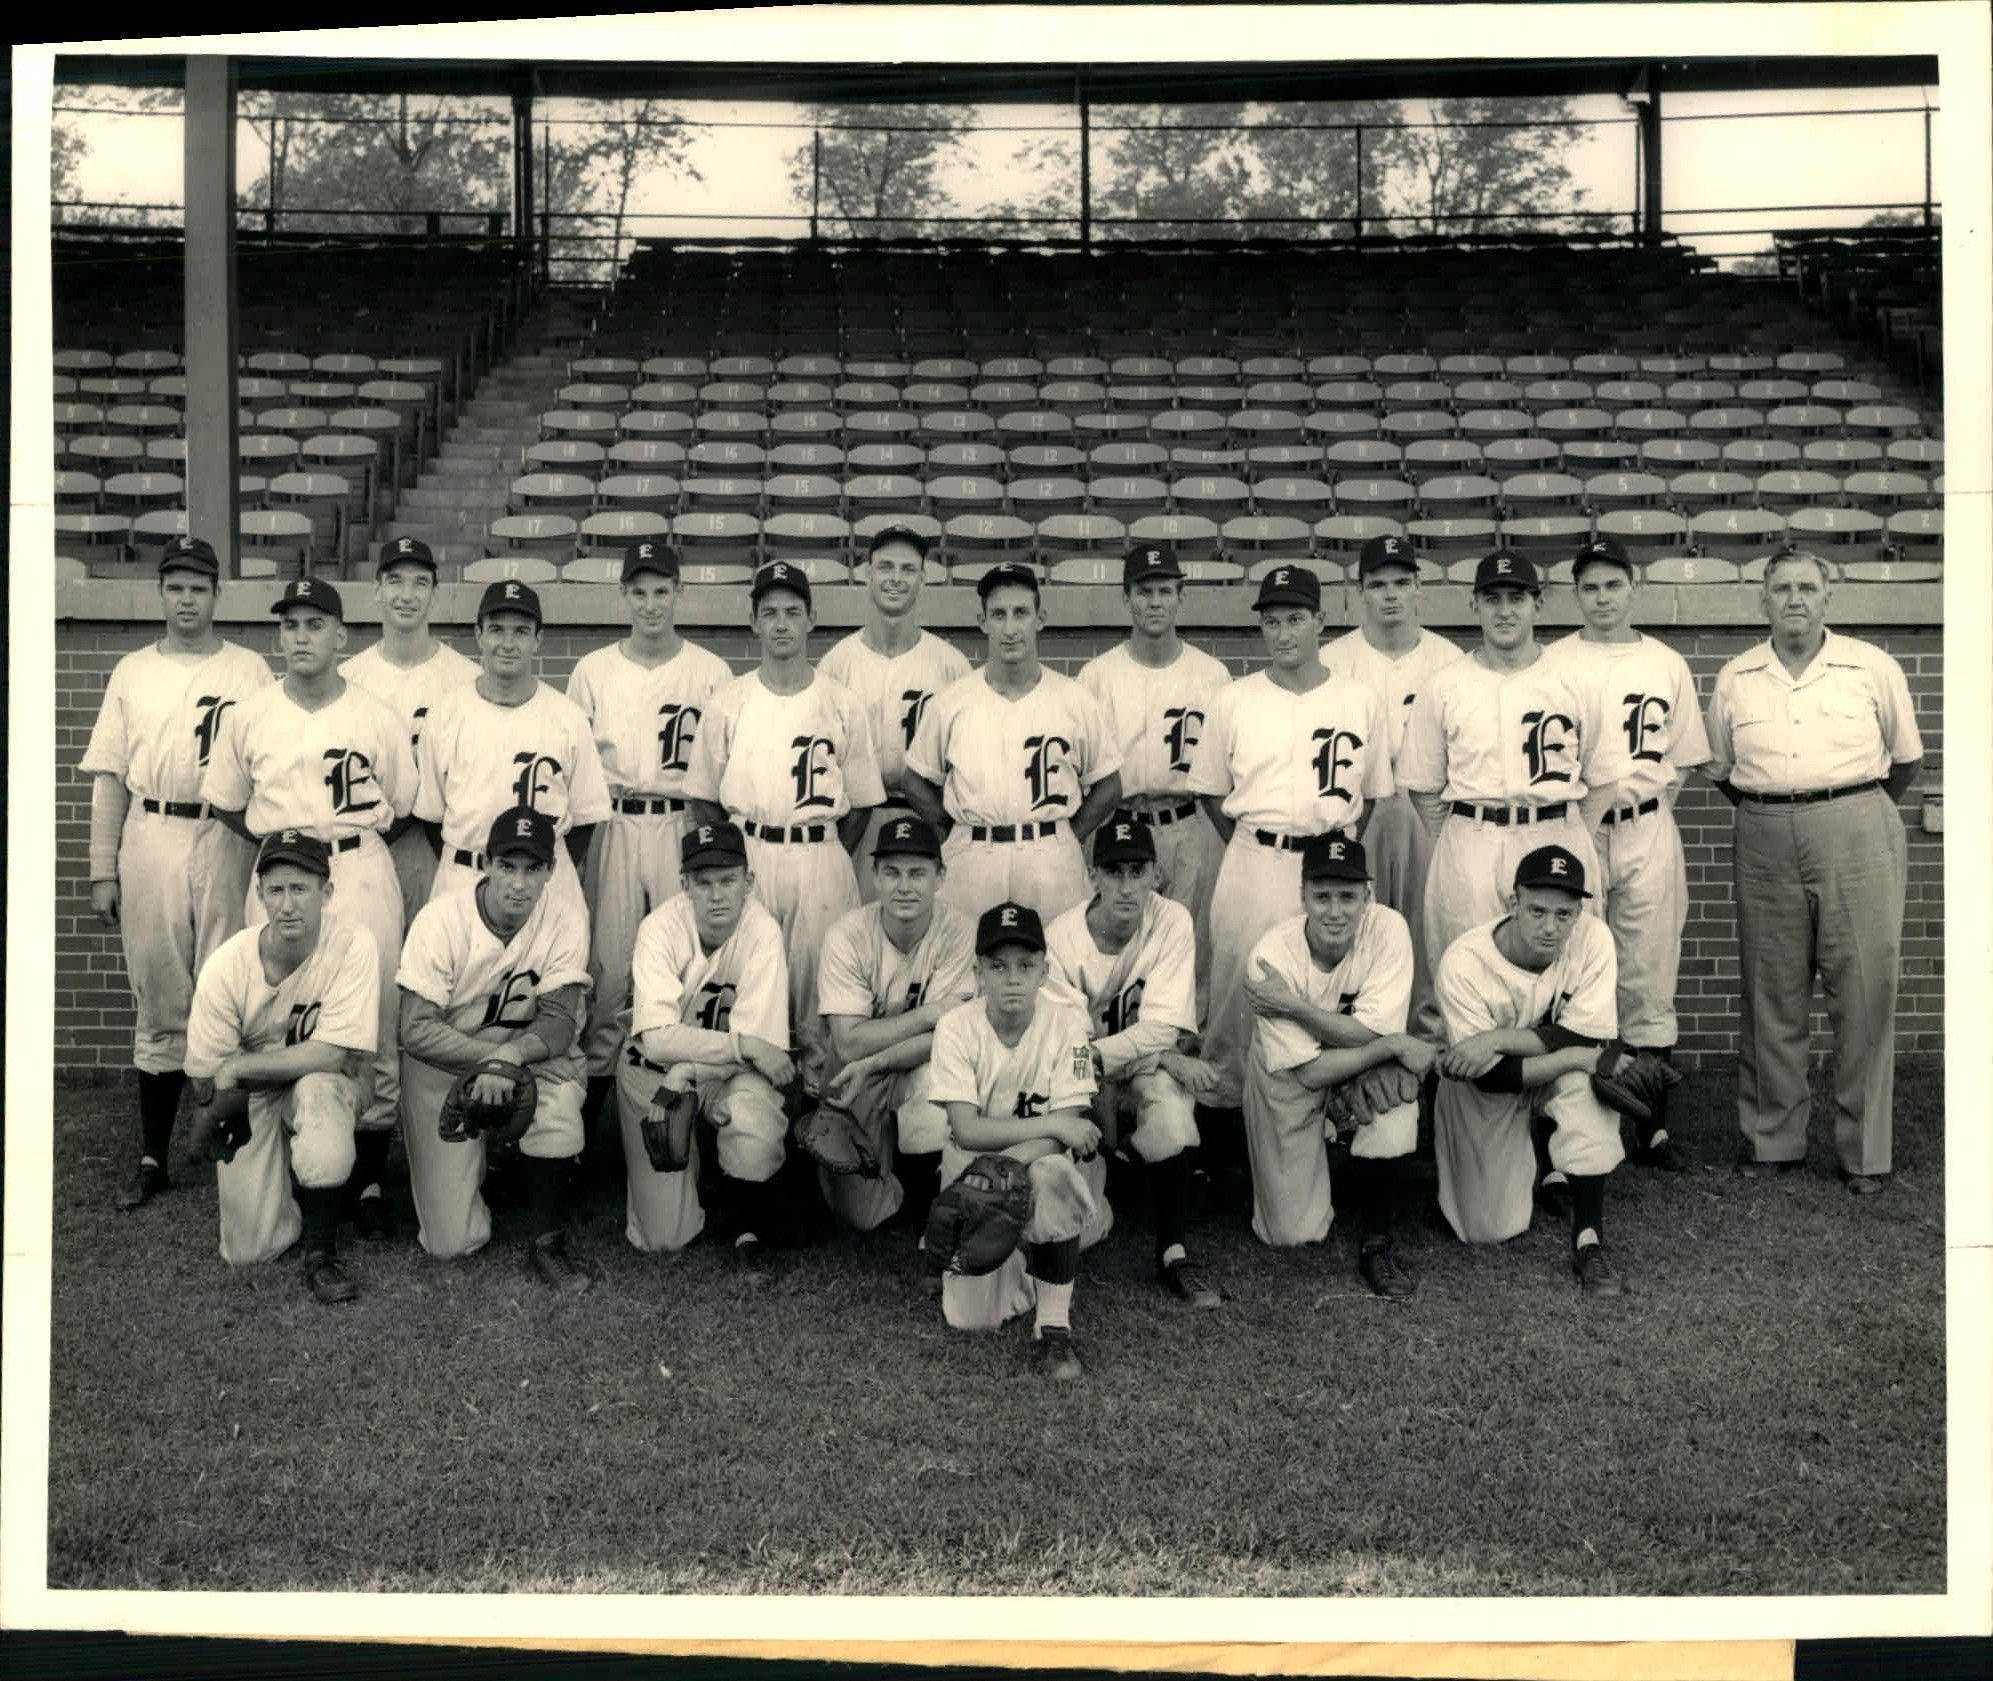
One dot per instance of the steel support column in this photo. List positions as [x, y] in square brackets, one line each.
[210, 305]
[1650, 159]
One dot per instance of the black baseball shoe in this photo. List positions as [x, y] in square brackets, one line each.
[1595, 1272]
[555, 1266]
[1659, 1152]
[1864, 1184]
[372, 1219]
[326, 1279]
[750, 1259]
[1056, 1356]
[1752, 1168]
[148, 1180]
[1188, 1285]
[1379, 1269]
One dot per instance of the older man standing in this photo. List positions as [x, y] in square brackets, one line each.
[1813, 740]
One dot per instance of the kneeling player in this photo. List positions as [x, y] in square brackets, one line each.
[1130, 956]
[709, 1017]
[1330, 990]
[1014, 1071]
[284, 1013]
[499, 974]
[1528, 999]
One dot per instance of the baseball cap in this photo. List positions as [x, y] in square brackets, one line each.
[310, 592]
[190, 554]
[522, 829]
[1505, 566]
[911, 835]
[1334, 857]
[898, 534]
[508, 595]
[780, 575]
[1289, 586]
[1388, 550]
[294, 846]
[1009, 924]
[649, 555]
[1146, 560]
[1602, 551]
[1123, 839]
[1552, 866]
[704, 845]
[405, 551]
[1007, 573]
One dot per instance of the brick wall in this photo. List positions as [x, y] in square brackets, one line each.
[93, 1013]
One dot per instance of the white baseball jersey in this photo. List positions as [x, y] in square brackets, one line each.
[1049, 1068]
[1372, 983]
[1154, 713]
[1650, 730]
[409, 691]
[478, 759]
[895, 689]
[785, 759]
[1137, 998]
[161, 716]
[1514, 738]
[742, 987]
[1394, 679]
[646, 718]
[1028, 760]
[343, 769]
[453, 959]
[862, 973]
[332, 998]
[1480, 989]
[1295, 764]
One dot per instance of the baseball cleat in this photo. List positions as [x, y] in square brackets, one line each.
[1187, 1284]
[555, 1266]
[1379, 1269]
[1056, 1356]
[750, 1259]
[1751, 1168]
[372, 1219]
[1661, 1155]
[327, 1280]
[1595, 1272]
[1864, 1184]
[147, 1181]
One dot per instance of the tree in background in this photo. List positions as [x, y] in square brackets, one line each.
[1459, 163]
[875, 175]
[594, 166]
[77, 114]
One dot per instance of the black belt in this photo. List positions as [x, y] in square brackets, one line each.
[195, 809]
[1165, 815]
[1814, 797]
[637, 805]
[1502, 816]
[1012, 831]
[1626, 814]
[470, 860]
[802, 833]
[346, 843]
[1283, 843]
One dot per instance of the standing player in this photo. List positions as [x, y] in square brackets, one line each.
[149, 830]
[1290, 752]
[495, 975]
[319, 754]
[1650, 737]
[409, 671]
[709, 1014]
[1014, 1071]
[1527, 1001]
[1154, 691]
[1393, 656]
[286, 1011]
[893, 666]
[1018, 759]
[1330, 991]
[643, 697]
[1129, 955]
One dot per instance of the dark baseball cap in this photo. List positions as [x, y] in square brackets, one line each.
[1146, 560]
[1602, 551]
[1289, 586]
[508, 595]
[1507, 568]
[705, 845]
[913, 836]
[1552, 866]
[647, 554]
[522, 829]
[780, 575]
[1009, 924]
[1007, 574]
[310, 592]
[1123, 839]
[190, 554]
[1388, 550]
[1334, 857]
[919, 541]
[405, 551]
[294, 846]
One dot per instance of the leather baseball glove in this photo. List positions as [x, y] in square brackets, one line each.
[1381, 1088]
[221, 1126]
[842, 1141]
[667, 1129]
[978, 1221]
[1632, 1081]
[502, 1123]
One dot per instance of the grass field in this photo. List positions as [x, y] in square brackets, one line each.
[1764, 1413]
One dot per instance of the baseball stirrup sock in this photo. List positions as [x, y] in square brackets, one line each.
[1053, 1263]
[1370, 1189]
[370, 1160]
[920, 1177]
[1054, 1307]
[319, 1205]
[1587, 1206]
[158, 1103]
[543, 1195]
[1169, 1186]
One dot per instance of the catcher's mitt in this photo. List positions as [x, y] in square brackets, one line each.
[1632, 1081]
[1381, 1088]
[221, 1126]
[976, 1223]
[667, 1129]
[503, 1123]
[841, 1141]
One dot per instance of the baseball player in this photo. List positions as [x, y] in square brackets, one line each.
[1650, 737]
[1392, 656]
[496, 974]
[1014, 1072]
[1154, 690]
[788, 755]
[319, 754]
[1527, 1001]
[1129, 955]
[150, 830]
[893, 666]
[508, 739]
[1018, 759]
[643, 697]
[888, 973]
[1330, 992]
[286, 1011]
[1290, 752]
[409, 670]
[709, 1013]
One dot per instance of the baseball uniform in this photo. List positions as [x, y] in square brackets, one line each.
[742, 987]
[645, 720]
[305, 1128]
[182, 874]
[1286, 1123]
[1012, 773]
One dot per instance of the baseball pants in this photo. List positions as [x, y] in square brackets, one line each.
[415, 870]
[662, 1210]
[180, 896]
[1643, 883]
[919, 1125]
[1257, 887]
[1068, 1199]
[805, 886]
[1048, 872]
[1187, 858]
[1287, 1138]
[1820, 888]
[1164, 1117]
[306, 1129]
[1487, 1163]
[1400, 851]
[632, 869]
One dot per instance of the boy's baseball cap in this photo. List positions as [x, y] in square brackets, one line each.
[914, 836]
[1388, 550]
[780, 575]
[647, 554]
[918, 540]
[404, 551]
[294, 846]
[508, 595]
[1552, 866]
[704, 845]
[1007, 573]
[1334, 857]
[522, 829]
[1009, 924]
[1602, 551]
[1147, 560]
[1506, 567]
[1289, 586]
[310, 592]
[1123, 839]
[190, 554]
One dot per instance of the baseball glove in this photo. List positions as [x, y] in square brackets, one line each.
[1632, 1081]
[976, 1223]
[221, 1126]
[667, 1129]
[503, 1123]
[1381, 1088]
[842, 1141]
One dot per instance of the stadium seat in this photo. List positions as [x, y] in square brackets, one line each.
[1340, 536]
[69, 570]
[716, 539]
[1837, 534]
[1127, 498]
[1545, 536]
[1508, 456]
[1485, 426]
[1691, 569]
[1210, 497]
[549, 536]
[645, 454]
[1918, 534]
[1328, 427]
[1459, 496]
[1194, 538]
[1532, 495]
[651, 493]
[1248, 538]
[895, 460]
[1810, 363]
[882, 493]
[551, 493]
[1783, 491]
[1773, 393]
[322, 499]
[292, 422]
[143, 420]
[1442, 543]
[1737, 534]
[1845, 393]
[1043, 461]
[593, 569]
[618, 370]
[1064, 535]
[1694, 493]
[525, 568]
[803, 493]
[927, 397]
[150, 533]
[104, 454]
[1302, 498]
[799, 395]
[721, 493]
[353, 461]
[1670, 456]
[1843, 455]
[1611, 492]
[1567, 425]
[609, 533]
[976, 542]
[103, 542]
[323, 393]
[76, 492]
[646, 425]
[1360, 395]
[1800, 421]
[565, 455]
[281, 537]
[1252, 428]
[1039, 497]
[1627, 394]
[1280, 394]
[794, 536]
[1642, 426]
[1919, 455]
[1761, 455]
[1882, 420]
[1645, 532]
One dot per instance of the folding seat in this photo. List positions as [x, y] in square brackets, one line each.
[1669, 456]
[736, 425]
[1843, 455]
[1918, 455]
[151, 362]
[381, 428]
[1038, 497]
[103, 454]
[1760, 455]
[1783, 491]
[1643, 426]
[565, 455]
[882, 370]
[799, 536]
[902, 460]
[885, 426]
[1739, 365]
[639, 493]
[1038, 461]
[645, 455]
[101, 541]
[1060, 368]
[657, 425]
[615, 370]
[1504, 456]
[1272, 368]
[1132, 458]
[1627, 394]
[787, 396]
[1535, 367]
[1812, 364]
[1691, 569]
[1250, 428]
[1737, 534]
[1194, 537]
[973, 543]
[1196, 428]
[593, 395]
[279, 364]
[1064, 536]
[1003, 397]
[76, 420]
[1405, 426]
[1033, 426]
[1141, 398]
[1364, 458]
[516, 565]
[926, 397]
[1389, 497]
[1127, 497]
[1695, 493]
[1530, 495]
[293, 422]
[550, 537]
[1484, 426]
[1280, 394]
[1251, 538]
[1070, 397]
[1690, 395]
[1918, 534]
[1459, 496]
[1646, 533]
[1023, 368]
[1326, 427]
[111, 389]
[1550, 539]
[1341, 367]
[882, 493]
[1556, 396]
[1284, 461]
[947, 370]
[722, 546]
[551, 493]
[1568, 425]
[1109, 428]
[803, 493]
[1448, 541]
[1801, 421]
[169, 455]
[1213, 497]
[322, 393]
[1302, 498]
[150, 534]
[321, 499]
[1887, 493]
[1883, 420]
[281, 539]
[1471, 365]
[143, 420]
[741, 368]
[1588, 457]
[1840, 535]
[76, 492]
[1339, 537]
[1845, 393]
[949, 494]
[1343, 394]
